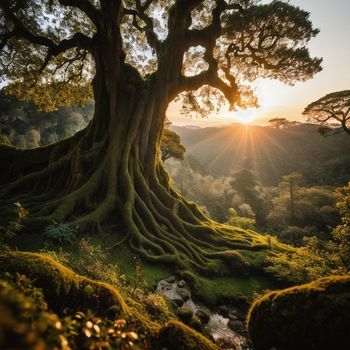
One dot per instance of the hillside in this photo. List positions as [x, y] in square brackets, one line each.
[270, 152]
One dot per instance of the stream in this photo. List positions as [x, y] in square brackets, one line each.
[217, 326]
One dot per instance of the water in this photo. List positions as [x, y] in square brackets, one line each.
[217, 326]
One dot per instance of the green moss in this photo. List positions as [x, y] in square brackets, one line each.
[310, 316]
[64, 291]
[177, 336]
[185, 314]
[217, 291]
[61, 286]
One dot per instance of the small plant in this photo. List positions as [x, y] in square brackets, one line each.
[61, 233]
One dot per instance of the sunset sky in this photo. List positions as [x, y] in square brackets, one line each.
[279, 100]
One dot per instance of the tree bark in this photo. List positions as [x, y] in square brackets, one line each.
[111, 172]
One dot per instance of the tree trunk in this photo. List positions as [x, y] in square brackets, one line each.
[111, 173]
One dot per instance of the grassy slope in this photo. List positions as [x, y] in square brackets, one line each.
[211, 290]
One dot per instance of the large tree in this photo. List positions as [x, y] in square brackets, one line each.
[138, 56]
[331, 112]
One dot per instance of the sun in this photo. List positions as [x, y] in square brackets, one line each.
[245, 116]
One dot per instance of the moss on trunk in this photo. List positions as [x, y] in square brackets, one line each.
[111, 174]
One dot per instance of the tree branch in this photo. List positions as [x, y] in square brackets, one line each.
[21, 31]
[84, 6]
[148, 29]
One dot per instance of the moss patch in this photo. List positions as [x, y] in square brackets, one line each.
[64, 290]
[61, 286]
[218, 291]
[310, 316]
[177, 336]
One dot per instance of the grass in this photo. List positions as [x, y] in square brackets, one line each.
[231, 289]
[212, 291]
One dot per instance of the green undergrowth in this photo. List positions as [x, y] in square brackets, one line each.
[239, 276]
[234, 290]
[45, 305]
[313, 316]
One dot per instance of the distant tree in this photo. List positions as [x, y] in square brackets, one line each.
[23, 125]
[278, 123]
[244, 222]
[244, 182]
[331, 112]
[297, 212]
[170, 146]
[341, 233]
[290, 183]
[318, 258]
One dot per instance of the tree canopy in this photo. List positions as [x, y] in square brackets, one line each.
[331, 112]
[170, 146]
[48, 46]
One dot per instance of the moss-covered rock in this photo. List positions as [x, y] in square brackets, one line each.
[185, 314]
[62, 287]
[176, 336]
[307, 317]
[68, 294]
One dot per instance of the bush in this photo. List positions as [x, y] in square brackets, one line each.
[61, 233]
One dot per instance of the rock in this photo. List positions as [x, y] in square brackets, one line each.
[178, 301]
[313, 316]
[232, 316]
[170, 279]
[223, 310]
[184, 293]
[181, 284]
[236, 326]
[203, 316]
[185, 314]
[196, 324]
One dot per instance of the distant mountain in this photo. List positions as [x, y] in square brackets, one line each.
[270, 152]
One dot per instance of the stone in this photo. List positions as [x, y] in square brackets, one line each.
[185, 314]
[178, 301]
[171, 279]
[236, 326]
[233, 316]
[181, 284]
[184, 293]
[223, 310]
[203, 316]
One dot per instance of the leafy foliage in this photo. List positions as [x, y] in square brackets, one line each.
[30, 324]
[170, 146]
[23, 125]
[244, 222]
[317, 258]
[331, 113]
[61, 233]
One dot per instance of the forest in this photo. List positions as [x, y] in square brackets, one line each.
[122, 227]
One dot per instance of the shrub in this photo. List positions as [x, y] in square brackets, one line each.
[61, 233]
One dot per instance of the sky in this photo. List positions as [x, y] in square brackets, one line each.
[279, 100]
